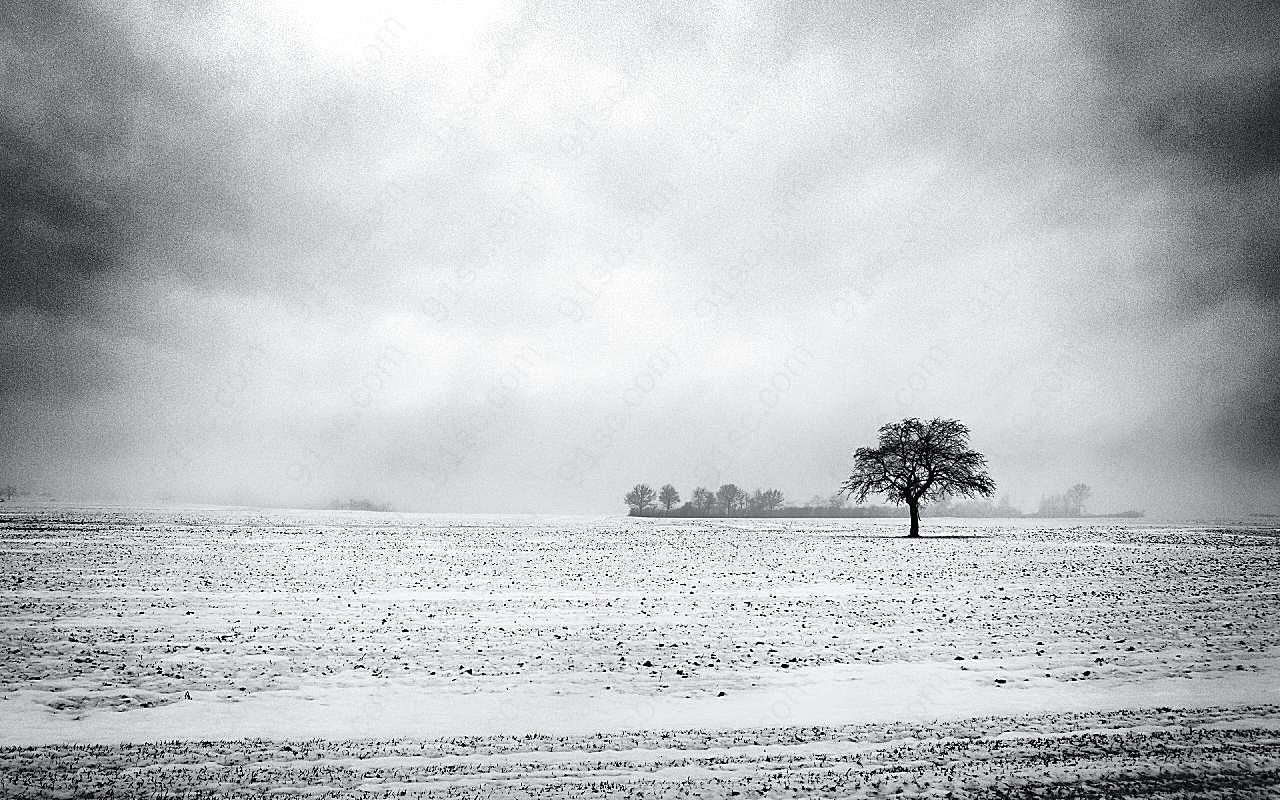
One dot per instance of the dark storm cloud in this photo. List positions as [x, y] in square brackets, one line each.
[85, 184]
[68, 213]
[120, 170]
[1203, 82]
[69, 218]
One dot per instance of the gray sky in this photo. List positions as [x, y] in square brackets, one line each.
[467, 256]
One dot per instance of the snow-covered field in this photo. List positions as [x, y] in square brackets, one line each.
[209, 653]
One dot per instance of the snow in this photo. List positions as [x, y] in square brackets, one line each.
[579, 706]
[152, 626]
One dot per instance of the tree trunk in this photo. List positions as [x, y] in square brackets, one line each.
[915, 520]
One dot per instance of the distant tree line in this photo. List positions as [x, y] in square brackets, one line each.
[10, 491]
[1068, 504]
[727, 501]
[358, 504]
[974, 508]
[731, 501]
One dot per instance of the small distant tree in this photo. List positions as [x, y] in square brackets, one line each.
[769, 499]
[837, 500]
[704, 500]
[818, 502]
[1069, 504]
[640, 497]
[1006, 508]
[1075, 499]
[919, 462]
[668, 496]
[730, 497]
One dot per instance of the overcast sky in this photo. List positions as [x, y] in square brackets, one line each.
[505, 257]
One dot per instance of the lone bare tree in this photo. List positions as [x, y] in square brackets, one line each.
[668, 496]
[919, 462]
[640, 497]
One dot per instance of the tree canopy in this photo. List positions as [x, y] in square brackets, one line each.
[668, 496]
[640, 497]
[730, 496]
[917, 462]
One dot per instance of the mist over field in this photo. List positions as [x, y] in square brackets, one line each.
[500, 257]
